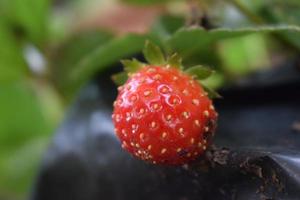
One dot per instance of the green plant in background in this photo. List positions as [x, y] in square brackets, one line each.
[43, 63]
[24, 127]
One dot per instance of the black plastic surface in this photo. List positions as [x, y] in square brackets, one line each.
[257, 154]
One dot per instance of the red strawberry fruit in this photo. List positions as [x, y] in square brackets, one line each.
[162, 114]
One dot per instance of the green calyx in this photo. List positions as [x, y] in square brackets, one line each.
[155, 56]
[131, 66]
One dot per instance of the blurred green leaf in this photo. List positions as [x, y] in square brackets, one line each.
[282, 12]
[12, 64]
[30, 17]
[20, 117]
[165, 26]
[101, 58]
[198, 45]
[73, 50]
[21, 121]
[18, 167]
[274, 11]
[243, 55]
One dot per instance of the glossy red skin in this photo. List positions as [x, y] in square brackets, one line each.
[149, 135]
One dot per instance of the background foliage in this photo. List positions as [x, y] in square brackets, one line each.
[47, 54]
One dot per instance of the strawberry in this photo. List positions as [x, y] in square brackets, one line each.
[162, 114]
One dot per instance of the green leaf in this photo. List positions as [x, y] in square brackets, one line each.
[31, 16]
[101, 58]
[120, 78]
[131, 66]
[211, 93]
[199, 72]
[282, 12]
[241, 56]
[153, 54]
[12, 64]
[21, 116]
[21, 122]
[18, 167]
[175, 61]
[71, 52]
[166, 25]
[189, 42]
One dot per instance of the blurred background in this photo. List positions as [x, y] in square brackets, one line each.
[50, 49]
